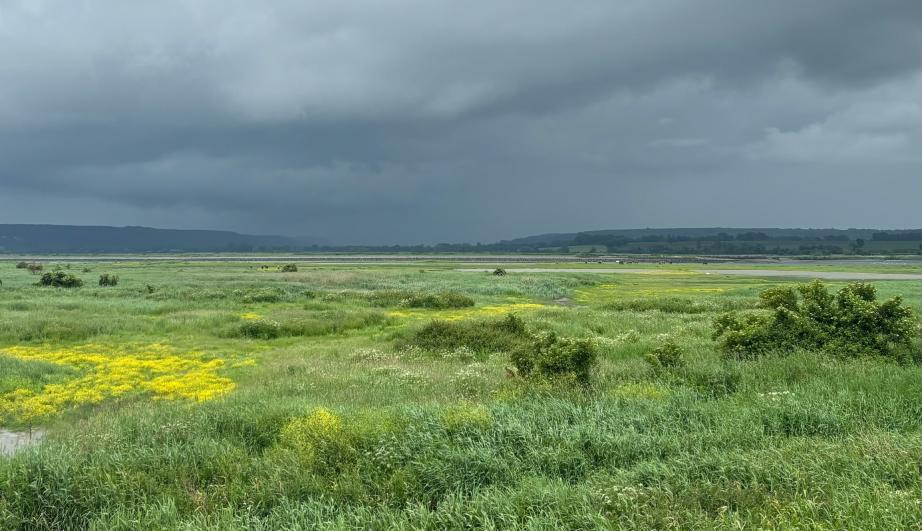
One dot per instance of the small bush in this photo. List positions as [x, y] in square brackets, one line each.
[107, 279]
[666, 356]
[551, 356]
[499, 272]
[60, 279]
[849, 323]
[22, 265]
[289, 268]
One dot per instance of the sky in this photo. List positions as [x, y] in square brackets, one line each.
[432, 121]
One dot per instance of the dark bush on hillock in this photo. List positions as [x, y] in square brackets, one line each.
[60, 279]
[499, 272]
[108, 279]
[289, 268]
[551, 356]
[480, 336]
[848, 323]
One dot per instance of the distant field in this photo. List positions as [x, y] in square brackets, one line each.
[230, 395]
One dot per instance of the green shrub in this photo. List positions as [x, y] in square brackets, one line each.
[849, 323]
[289, 268]
[107, 279]
[666, 356]
[551, 356]
[499, 272]
[60, 279]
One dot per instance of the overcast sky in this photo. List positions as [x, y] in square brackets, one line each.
[427, 121]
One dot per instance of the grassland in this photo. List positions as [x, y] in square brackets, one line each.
[231, 396]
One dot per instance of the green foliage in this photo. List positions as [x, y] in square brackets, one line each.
[849, 323]
[551, 356]
[289, 268]
[438, 301]
[665, 356]
[108, 279]
[60, 279]
[499, 272]
[480, 336]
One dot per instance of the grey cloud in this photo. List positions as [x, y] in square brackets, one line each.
[427, 121]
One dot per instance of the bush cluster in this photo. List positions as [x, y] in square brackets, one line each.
[849, 323]
[289, 268]
[551, 356]
[60, 279]
[108, 279]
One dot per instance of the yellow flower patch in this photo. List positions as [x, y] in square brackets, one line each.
[250, 316]
[466, 313]
[107, 371]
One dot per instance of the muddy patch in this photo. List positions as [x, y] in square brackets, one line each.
[14, 441]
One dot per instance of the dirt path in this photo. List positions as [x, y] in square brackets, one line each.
[828, 275]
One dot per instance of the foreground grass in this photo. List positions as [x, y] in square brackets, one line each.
[335, 419]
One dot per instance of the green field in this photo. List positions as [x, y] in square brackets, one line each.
[234, 396]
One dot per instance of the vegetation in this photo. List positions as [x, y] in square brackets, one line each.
[289, 268]
[849, 323]
[60, 279]
[108, 279]
[217, 396]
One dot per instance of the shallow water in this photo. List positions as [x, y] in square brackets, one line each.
[830, 275]
[14, 441]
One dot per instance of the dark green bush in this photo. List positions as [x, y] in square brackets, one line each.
[499, 271]
[551, 356]
[849, 323]
[60, 279]
[107, 279]
[289, 268]
[666, 356]
[480, 336]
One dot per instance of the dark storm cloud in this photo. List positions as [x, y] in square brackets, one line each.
[425, 121]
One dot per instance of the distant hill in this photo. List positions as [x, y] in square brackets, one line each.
[102, 239]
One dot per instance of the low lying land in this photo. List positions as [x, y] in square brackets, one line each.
[233, 395]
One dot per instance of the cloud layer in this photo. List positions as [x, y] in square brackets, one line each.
[422, 120]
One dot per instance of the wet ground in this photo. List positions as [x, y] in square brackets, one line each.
[828, 275]
[14, 441]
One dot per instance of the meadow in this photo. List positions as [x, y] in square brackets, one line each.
[222, 395]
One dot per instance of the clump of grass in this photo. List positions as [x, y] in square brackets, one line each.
[678, 305]
[60, 279]
[479, 336]
[326, 323]
[438, 301]
[289, 268]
